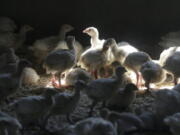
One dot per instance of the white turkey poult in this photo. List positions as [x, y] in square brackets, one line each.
[95, 58]
[121, 50]
[166, 53]
[98, 43]
[60, 60]
[29, 77]
[94, 34]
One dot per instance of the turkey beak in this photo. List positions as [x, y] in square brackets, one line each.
[85, 31]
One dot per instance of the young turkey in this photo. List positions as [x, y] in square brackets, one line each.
[172, 65]
[42, 47]
[134, 61]
[152, 73]
[101, 90]
[14, 40]
[7, 24]
[60, 60]
[95, 58]
[9, 125]
[10, 82]
[94, 34]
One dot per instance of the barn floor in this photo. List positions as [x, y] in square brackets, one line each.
[143, 101]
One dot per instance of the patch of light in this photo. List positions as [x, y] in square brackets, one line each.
[156, 61]
[132, 76]
[129, 49]
[63, 82]
[167, 86]
[49, 84]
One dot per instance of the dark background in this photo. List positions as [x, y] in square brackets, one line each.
[140, 22]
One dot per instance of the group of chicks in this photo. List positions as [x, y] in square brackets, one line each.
[101, 72]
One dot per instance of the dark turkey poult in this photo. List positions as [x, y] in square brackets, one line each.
[123, 97]
[101, 90]
[75, 74]
[34, 109]
[149, 119]
[152, 73]
[65, 103]
[14, 40]
[89, 126]
[174, 123]
[7, 24]
[94, 126]
[166, 103]
[4, 53]
[42, 47]
[124, 122]
[121, 50]
[9, 61]
[60, 60]
[67, 130]
[172, 65]
[134, 61]
[10, 82]
[9, 125]
[110, 69]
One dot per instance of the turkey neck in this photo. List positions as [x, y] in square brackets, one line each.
[70, 45]
[114, 49]
[119, 78]
[62, 35]
[94, 40]
[77, 93]
[22, 36]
